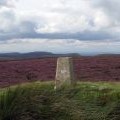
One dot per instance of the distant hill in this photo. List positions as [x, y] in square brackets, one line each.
[109, 55]
[15, 55]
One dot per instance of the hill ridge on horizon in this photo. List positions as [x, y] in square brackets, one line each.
[37, 54]
[40, 54]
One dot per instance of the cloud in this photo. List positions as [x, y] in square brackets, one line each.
[7, 20]
[60, 46]
[61, 20]
[85, 36]
[85, 22]
[16, 26]
[7, 3]
[110, 8]
[13, 26]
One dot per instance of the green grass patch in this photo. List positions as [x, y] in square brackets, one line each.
[39, 101]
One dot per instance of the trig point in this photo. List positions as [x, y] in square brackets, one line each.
[64, 72]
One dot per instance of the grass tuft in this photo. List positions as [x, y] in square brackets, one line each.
[39, 101]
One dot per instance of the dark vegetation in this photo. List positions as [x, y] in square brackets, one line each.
[39, 101]
[13, 72]
[99, 68]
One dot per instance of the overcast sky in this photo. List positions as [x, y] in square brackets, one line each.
[83, 26]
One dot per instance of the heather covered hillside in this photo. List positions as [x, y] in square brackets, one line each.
[99, 68]
[13, 72]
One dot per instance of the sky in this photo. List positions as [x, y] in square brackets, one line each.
[60, 26]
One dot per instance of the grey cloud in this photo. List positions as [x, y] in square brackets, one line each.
[7, 21]
[3, 2]
[85, 36]
[26, 28]
[110, 7]
[12, 28]
[6, 3]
